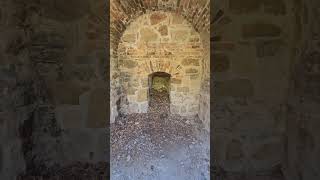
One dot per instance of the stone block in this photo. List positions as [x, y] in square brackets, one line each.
[179, 35]
[129, 38]
[183, 89]
[148, 35]
[267, 48]
[176, 19]
[129, 64]
[69, 117]
[157, 17]
[163, 30]
[191, 71]
[190, 62]
[176, 81]
[66, 92]
[142, 95]
[260, 29]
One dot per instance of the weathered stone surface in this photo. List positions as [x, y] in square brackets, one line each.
[190, 62]
[180, 35]
[148, 34]
[66, 92]
[157, 17]
[176, 19]
[130, 64]
[176, 81]
[95, 107]
[268, 48]
[234, 150]
[235, 88]
[129, 38]
[266, 151]
[142, 95]
[250, 6]
[191, 71]
[260, 29]
[220, 62]
[245, 6]
[66, 11]
[173, 48]
[163, 30]
[183, 89]
[70, 117]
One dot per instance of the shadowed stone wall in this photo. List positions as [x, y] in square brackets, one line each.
[252, 53]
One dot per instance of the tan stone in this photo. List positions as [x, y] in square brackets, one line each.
[177, 19]
[148, 34]
[179, 35]
[157, 17]
[191, 71]
[183, 89]
[129, 38]
[142, 95]
[163, 30]
[190, 62]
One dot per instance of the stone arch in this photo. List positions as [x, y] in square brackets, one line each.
[161, 42]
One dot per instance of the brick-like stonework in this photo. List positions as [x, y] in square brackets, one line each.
[157, 42]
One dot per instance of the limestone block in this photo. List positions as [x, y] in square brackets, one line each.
[179, 35]
[129, 38]
[190, 62]
[142, 95]
[163, 30]
[148, 35]
[69, 116]
[156, 18]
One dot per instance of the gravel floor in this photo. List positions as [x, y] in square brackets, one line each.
[159, 146]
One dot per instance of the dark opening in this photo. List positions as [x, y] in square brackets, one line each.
[159, 88]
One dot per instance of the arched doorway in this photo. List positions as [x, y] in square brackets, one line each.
[159, 92]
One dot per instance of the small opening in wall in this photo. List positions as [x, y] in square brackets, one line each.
[159, 92]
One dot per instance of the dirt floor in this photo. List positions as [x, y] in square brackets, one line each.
[159, 146]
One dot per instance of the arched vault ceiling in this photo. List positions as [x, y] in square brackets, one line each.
[123, 12]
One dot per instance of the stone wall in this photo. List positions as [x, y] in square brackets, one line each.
[161, 42]
[252, 51]
[123, 13]
[303, 137]
[53, 66]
